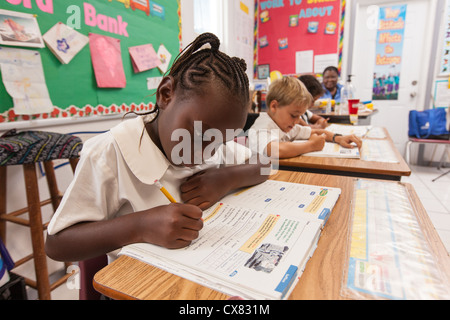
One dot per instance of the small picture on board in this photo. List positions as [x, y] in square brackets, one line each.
[19, 29]
[263, 71]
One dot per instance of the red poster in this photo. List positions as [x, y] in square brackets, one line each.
[298, 36]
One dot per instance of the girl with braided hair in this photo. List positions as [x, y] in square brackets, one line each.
[113, 200]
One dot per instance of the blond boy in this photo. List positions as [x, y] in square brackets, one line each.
[273, 132]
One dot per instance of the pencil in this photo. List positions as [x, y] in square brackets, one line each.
[166, 193]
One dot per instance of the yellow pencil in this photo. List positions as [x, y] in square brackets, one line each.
[166, 193]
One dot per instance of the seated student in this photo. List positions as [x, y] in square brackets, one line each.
[316, 90]
[113, 200]
[273, 132]
[330, 84]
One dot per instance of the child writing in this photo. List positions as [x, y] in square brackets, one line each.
[316, 90]
[273, 132]
[114, 199]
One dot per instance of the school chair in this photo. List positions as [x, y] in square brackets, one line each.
[27, 149]
[88, 269]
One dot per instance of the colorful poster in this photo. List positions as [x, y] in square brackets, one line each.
[107, 61]
[444, 68]
[19, 29]
[388, 55]
[291, 29]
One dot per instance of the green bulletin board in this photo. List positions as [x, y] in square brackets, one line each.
[72, 87]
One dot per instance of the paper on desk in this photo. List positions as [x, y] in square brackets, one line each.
[389, 256]
[378, 150]
[107, 61]
[359, 131]
[254, 243]
[332, 150]
[23, 77]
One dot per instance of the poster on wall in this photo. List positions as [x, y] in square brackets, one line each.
[100, 74]
[388, 54]
[444, 68]
[296, 36]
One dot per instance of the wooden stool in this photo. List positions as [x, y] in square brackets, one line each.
[26, 149]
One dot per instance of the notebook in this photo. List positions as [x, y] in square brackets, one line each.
[255, 243]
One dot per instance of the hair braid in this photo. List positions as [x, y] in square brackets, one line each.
[195, 66]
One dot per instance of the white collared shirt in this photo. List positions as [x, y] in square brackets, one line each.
[265, 130]
[116, 173]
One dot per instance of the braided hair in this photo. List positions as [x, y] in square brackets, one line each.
[195, 66]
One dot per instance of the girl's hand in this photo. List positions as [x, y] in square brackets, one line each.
[172, 226]
[205, 188]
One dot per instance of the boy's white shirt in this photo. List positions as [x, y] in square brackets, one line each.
[116, 173]
[265, 130]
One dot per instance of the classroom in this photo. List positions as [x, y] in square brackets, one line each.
[316, 169]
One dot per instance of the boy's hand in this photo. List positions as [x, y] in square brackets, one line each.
[205, 188]
[172, 226]
[317, 141]
[346, 141]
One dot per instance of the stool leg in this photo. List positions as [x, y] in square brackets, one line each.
[3, 202]
[37, 231]
[52, 185]
[73, 163]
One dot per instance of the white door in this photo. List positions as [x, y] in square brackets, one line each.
[393, 114]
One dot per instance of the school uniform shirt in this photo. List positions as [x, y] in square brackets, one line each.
[307, 116]
[265, 130]
[116, 173]
[327, 94]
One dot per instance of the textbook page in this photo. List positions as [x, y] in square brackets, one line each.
[333, 150]
[359, 131]
[255, 243]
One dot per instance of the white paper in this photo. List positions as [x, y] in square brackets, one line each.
[64, 42]
[332, 150]
[153, 83]
[321, 61]
[254, 243]
[165, 56]
[304, 61]
[378, 150]
[23, 77]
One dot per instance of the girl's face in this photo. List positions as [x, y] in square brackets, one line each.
[183, 122]
[286, 117]
[330, 79]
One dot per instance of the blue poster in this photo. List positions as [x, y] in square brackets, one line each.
[388, 55]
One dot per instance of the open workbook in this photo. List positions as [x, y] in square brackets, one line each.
[255, 243]
[333, 150]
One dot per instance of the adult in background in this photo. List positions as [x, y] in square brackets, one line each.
[330, 84]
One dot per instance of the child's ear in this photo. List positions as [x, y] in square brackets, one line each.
[273, 105]
[165, 92]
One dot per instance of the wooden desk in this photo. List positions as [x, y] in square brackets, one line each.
[363, 117]
[350, 167]
[127, 278]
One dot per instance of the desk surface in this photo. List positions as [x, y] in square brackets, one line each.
[127, 278]
[351, 167]
[344, 118]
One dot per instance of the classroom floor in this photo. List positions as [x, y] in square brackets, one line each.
[435, 197]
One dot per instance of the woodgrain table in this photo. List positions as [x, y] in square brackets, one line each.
[128, 278]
